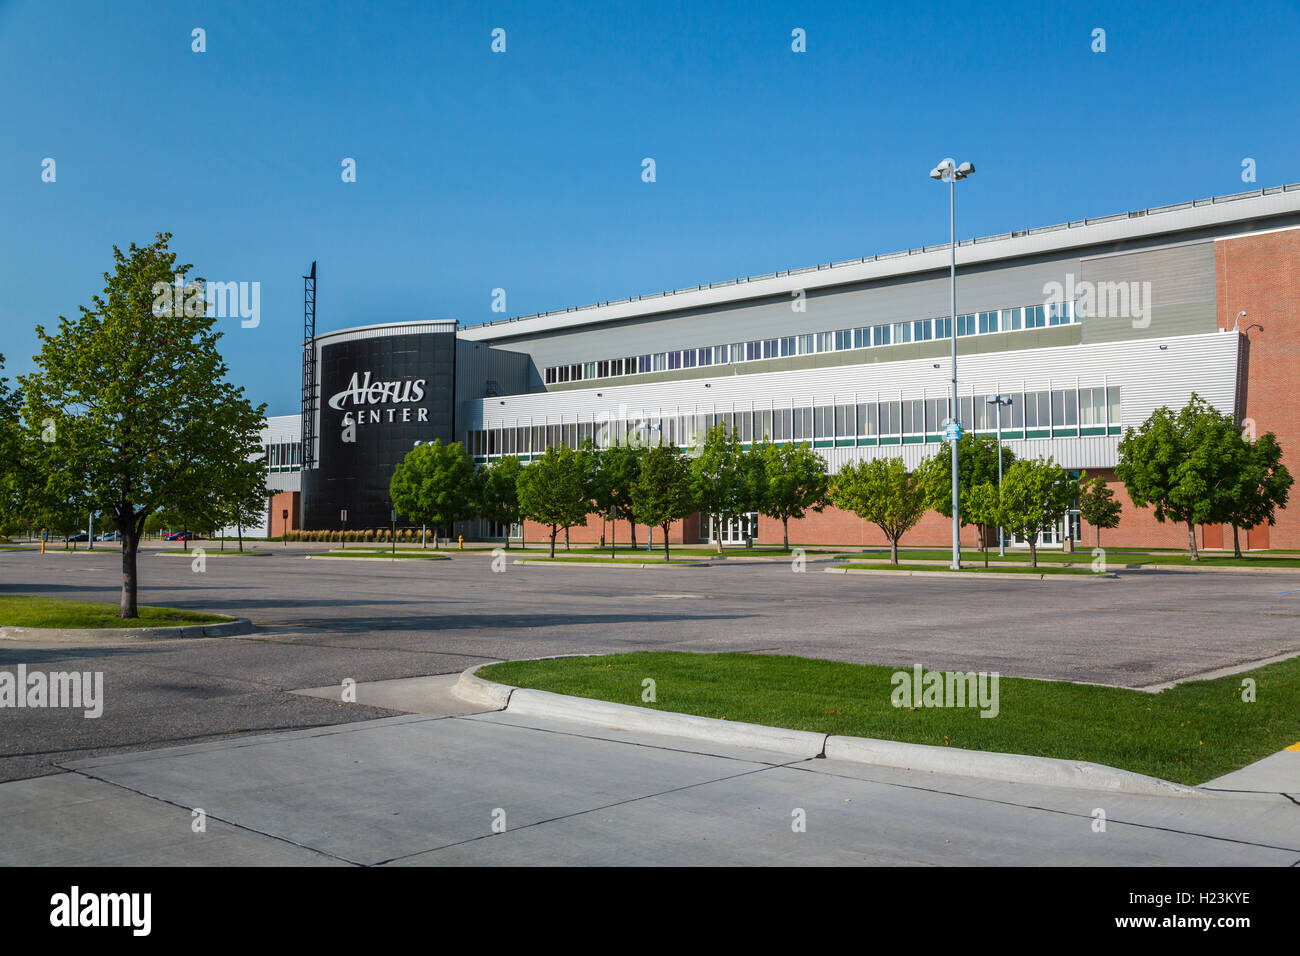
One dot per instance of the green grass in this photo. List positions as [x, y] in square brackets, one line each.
[971, 567]
[1189, 734]
[1117, 557]
[694, 550]
[656, 557]
[381, 553]
[23, 611]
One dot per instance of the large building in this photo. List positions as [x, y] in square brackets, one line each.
[1087, 326]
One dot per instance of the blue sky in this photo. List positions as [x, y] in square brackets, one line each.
[522, 170]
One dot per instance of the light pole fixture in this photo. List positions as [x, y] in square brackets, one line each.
[949, 172]
[999, 401]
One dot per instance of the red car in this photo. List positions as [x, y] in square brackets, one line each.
[184, 536]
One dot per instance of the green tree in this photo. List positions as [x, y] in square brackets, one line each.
[661, 493]
[1035, 494]
[245, 498]
[620, 464]
[435, 485]
[1183, 465]
[133, 398]
[977, 464]
[552, 491]
[795, 483]
[983, 504]
[1259, 486]
[882, 491]
[722, 481]
[499, 492]
[12, 452]
[1097, 504]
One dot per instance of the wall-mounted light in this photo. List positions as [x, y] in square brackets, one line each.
[1164, 348]
[707, 385]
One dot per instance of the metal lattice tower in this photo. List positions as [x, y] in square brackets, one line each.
[309, 369]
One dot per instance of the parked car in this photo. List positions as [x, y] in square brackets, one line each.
[111, 536]
[186, 536]
[80, 536]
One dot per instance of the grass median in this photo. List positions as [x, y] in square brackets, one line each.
[1189, 734]
[24, 611]
[968, 568]
[390, 555]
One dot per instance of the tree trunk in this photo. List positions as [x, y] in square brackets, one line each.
[717, 533]
[785, 533]
[893, 550]
[566, 537]
[613, 529]
[555, 529]
[633, 523]
[1033, 549]
[130, 581]
[1191, 542]
[239, 530]
[1236, 543]
[666, 527]
[984, 540]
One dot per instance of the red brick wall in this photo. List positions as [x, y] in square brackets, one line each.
[1261, 275]
[281, 502]
[683, 532]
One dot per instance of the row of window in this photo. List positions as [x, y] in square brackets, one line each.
[283, 456]
[894, 333]
[1066, 412]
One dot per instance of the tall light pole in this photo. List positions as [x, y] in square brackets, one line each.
[999, 401]
[949, 172]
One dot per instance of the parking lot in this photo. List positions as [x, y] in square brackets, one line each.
[319, 622]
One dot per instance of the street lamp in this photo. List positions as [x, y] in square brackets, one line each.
[949, 172]
[999, 401]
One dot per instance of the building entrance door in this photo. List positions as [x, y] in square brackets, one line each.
[734, 531]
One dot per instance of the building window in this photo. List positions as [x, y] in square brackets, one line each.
[965, 325]
[922, 330]
[988, 322]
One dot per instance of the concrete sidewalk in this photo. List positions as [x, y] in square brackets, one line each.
[427, 789]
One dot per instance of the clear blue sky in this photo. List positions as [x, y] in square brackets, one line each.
[522, 170]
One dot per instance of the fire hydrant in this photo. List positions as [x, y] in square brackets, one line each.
[460, 543]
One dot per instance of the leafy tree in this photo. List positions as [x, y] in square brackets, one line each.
[983, 504]
[134, 399]
[1035, 494]
[722, 481]
[661, 493]
[552, 491]
[977, 464]
[882, 491]
[587, 461]
[499, 492]
[435, 485]
[245, 498]
[620, 465]
[1183, 465]
[1260, 485]
[1097, 504]
[12, 451]
[795, 483]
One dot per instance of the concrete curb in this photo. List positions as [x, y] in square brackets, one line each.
[972, 573]
[217, 553]
[662, 565]
[339, 557]
[475, 690]
[1012, 768]
[541, 703]
[240, 625]
[1009, 768]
